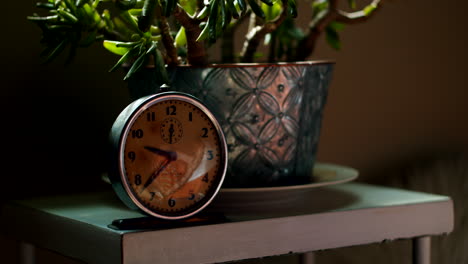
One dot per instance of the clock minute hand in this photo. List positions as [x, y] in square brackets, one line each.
[169, 155]
[155, 174]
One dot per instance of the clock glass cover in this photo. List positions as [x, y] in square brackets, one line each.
[172, 155]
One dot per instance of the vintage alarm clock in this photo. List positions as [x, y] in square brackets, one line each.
[168, 157]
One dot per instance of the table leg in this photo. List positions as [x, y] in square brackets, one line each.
[27, 253]
[307, 258]
[422, 250]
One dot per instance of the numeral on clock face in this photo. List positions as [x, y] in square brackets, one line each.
[172, 157]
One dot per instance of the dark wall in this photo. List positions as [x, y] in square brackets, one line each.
[398, 93]
[400, 88]
[55, 118]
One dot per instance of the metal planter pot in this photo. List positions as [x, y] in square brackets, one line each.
[271, 115]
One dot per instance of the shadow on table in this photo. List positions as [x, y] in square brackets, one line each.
[281, 203]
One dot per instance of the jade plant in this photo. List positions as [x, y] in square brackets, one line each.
[167, 33]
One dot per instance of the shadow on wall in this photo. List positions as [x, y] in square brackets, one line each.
[51, 145]
[55, 118]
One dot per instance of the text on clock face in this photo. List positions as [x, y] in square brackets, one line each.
[172, 157]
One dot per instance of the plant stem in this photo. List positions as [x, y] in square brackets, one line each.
[306, 46]
[227, 44]
[272, 50]
[147, 15]
[168, 42]
[196, 51]
[358, 16]
[257, 33]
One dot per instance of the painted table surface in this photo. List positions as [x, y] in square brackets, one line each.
[323, 218]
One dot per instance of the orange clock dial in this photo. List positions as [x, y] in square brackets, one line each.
[173, 157]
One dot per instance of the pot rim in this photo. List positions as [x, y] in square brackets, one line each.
[259, 64]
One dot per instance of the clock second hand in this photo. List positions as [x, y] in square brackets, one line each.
[171, 133]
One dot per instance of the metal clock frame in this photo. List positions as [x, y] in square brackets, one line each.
[118, 137]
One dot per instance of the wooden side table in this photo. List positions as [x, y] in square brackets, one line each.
[326, 218]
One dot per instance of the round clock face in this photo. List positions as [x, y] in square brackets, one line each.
[172, 156]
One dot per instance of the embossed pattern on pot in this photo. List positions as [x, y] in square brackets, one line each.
[270, 113]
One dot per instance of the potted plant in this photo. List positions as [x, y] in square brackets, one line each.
[271, 113]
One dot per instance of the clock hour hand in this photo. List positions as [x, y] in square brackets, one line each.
[170, 155]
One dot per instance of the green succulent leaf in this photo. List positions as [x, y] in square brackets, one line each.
[60, 28]
[337, 26]
[48, 6]
[135, 12]
[289, 32]
[212, 21]
[180, 38]
[189, 6]
[118, 47]
[74, 40]
[203, 34]
[160, 67]
[151, 49]
[203, 13]
[256, 9]
[131, 21]
[136, 66]
[292, 8]
[125, 4]
[128, 55]
[169, 7]
[242, 6]
[46, 18]
[90, 38]
[54, 52]
[268, 2]
[107, 19]
[319, 6]
[225, 16]
[333, 38]
[68, 16]
[71, 6]
[232, 9]
[121, 26]
[80, 3]
[147, 14]
[155, 30]
[96, 3]
[96, 18]
[89, 11]
[295, 33]
[271, 12]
